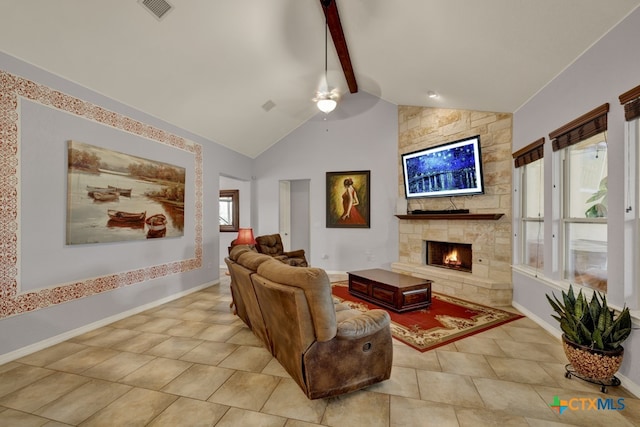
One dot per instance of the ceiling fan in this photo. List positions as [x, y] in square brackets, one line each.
[326, 99]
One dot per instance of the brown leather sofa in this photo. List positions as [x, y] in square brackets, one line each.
[271, 244]
[327, 348]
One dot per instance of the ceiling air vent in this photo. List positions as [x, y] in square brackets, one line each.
[267, 106]
[159, 8]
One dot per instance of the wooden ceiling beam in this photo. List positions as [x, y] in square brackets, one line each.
[335, 28]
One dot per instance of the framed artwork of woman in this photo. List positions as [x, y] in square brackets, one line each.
[348, 199]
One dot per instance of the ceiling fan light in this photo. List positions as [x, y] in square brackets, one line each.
[326, 105]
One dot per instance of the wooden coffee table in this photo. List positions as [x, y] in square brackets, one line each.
[397, 292]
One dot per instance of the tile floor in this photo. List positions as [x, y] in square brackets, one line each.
[191, 362]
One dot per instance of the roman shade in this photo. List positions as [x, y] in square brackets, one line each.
[631, 102]
[584, 127]
[530, 153]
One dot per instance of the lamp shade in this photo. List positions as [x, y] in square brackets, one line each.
[245, 237]
[326, 105]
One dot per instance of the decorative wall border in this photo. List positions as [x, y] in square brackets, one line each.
[11, 302]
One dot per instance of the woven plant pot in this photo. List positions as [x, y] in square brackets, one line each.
[599, 365]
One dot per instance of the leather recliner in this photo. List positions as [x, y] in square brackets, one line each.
[271, 245]
[327, 348]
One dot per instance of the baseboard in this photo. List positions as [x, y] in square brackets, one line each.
[629, 385]
[41, 345]
[538, 320]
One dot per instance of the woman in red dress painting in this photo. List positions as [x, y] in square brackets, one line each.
[350, 214]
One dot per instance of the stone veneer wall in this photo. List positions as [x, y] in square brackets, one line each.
[420, 127]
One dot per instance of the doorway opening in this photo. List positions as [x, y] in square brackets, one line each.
[295, 215]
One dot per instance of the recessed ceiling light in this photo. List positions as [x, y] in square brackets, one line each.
[433, 95]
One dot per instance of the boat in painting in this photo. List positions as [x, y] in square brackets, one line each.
[157, 222]
[126, 192]
[129, 225]
[91, 190]
[105, 196]
[121, 216]
[151, 234]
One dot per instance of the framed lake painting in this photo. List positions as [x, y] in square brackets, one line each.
[348, 197]
[113, 196]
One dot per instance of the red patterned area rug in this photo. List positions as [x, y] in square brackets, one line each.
[448, 319]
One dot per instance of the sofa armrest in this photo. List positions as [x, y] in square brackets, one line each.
[299, 253]
[363, 324]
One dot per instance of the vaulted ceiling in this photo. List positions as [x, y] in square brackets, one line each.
[215, 67]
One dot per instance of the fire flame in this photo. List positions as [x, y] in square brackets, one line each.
[452, 258]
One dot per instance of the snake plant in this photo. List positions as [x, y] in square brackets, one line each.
[591, 323]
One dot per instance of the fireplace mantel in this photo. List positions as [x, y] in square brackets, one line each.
[468, 216]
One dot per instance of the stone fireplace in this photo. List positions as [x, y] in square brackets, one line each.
[487, 278]
[455, 256]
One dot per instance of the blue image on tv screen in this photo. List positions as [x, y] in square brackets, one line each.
[449, 169]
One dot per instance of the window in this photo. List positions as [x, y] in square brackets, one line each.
[585, 212]
[529, 160]
[229, 216]
[582, 150]
[533, 214]
[631, 102]
[634, 141]
[632, 274]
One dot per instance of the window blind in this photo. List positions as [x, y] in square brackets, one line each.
[631, 102]
[530, 153]
[584, 127]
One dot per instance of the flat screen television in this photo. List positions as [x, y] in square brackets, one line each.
[451, 169]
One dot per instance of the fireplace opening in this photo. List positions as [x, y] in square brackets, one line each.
[454, 256]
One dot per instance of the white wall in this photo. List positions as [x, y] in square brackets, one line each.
[361, 134]
[600, 75]
[26, 332]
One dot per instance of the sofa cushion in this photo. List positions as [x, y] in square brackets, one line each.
[252, 260]
[345, 314]
[270, 244]
[362, 324]
[238, 250]
[317, 289]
